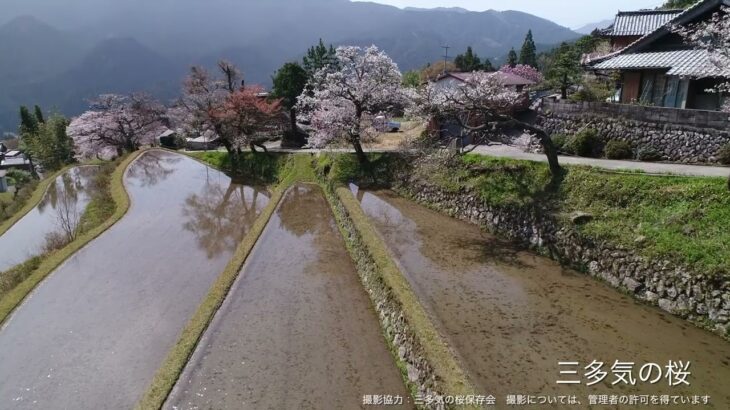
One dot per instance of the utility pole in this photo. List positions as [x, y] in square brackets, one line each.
[446, 57]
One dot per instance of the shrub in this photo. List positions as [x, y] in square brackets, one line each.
[723, 155]
[648, 154]
[586, 144]
[560, 141]
[618, 150]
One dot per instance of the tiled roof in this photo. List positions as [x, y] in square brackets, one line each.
[506, 78]
[689, 63]
[639, 23]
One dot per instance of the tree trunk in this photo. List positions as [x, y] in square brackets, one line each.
[361, 157]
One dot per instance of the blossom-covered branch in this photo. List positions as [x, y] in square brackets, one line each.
[117, 123]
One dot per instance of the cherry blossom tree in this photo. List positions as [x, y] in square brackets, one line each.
[713, 35]
[117, 123]
[484, 107]
[244, 115]
[524, 71]
[344, 100]
[221, 105]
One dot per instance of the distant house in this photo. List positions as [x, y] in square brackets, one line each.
[452, 130]
[657, 67]
[168, 139]
[512, 81]
[15, 159]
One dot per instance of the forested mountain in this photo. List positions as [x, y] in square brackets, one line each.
[69, 51]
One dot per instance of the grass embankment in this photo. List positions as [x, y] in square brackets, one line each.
[685, 220]
[284, 169]
[99, 216]
[366, 247]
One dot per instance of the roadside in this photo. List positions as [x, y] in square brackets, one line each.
[506, 151]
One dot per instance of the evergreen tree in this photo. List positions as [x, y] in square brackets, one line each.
[318, 57]
[411, 79]
[512, 58]
[528, 54]
[565, 69]
[487, 65]
[39, 115]
[28, 122]
[45, 142]
[289, 83]
[468, 62]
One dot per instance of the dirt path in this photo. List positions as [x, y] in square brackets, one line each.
[92, 335]
[512, 316]
[297, 330]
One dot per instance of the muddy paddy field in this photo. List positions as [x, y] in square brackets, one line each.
[511, 315]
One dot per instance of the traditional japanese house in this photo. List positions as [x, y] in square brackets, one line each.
[657, 67]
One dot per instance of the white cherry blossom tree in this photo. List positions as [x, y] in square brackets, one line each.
[341, 102]
[117, 123]
[713, 35]
[484, 108]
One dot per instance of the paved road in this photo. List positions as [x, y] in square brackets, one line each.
[506, 151]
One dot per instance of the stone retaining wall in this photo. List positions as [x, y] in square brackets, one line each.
[702, 299]
[688, 136]
[399, 334]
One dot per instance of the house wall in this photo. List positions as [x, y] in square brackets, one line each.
[688, 136]
[617, 43]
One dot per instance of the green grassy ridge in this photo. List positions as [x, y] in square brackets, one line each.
[682, 219]
[451, 377]
[42, 267]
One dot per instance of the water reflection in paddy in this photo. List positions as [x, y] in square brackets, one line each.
[59, 212]
[297, 330]
[512, 315]
[94, 333]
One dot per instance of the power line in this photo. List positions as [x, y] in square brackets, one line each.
[446, 56]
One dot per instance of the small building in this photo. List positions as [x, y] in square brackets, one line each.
[658, 67]
[512, 81]
[15, 159]
[451, 130]
[168, 139]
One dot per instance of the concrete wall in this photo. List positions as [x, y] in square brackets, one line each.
[688, 136]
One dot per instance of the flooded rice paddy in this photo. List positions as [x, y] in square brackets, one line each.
[512, 316]
[297, 330]
[59, 212]
[93, 334]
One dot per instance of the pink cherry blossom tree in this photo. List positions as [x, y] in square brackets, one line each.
[484, 108]
[524, 71]
[117, 123]
[713, 35]
[342, 101]
[222, 106]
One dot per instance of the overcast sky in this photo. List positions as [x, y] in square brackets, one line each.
[569, 13]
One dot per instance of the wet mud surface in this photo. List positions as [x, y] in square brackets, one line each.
[93, 334]
[512, 316]
[297, 330]
[59, 211]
